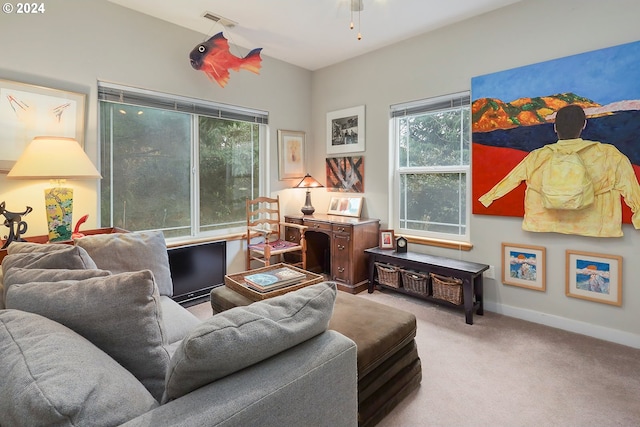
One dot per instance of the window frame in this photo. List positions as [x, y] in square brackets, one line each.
[441, 103]
[196, 108]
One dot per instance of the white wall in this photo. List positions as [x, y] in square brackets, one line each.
[443, 62]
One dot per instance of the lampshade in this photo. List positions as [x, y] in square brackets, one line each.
[308, 182]
[53, 157]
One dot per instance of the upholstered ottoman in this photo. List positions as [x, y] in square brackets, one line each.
[388, 363]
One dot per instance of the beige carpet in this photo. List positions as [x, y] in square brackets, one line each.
[503, 371]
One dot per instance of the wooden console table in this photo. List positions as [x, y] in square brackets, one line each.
[335, 245]
[469, 272]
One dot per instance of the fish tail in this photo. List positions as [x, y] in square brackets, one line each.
[252, 62]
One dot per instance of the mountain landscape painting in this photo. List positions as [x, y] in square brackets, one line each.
[513, 113]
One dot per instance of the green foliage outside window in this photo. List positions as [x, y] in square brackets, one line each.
[147, 156]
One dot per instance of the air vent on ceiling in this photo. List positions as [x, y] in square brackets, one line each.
[228, 23]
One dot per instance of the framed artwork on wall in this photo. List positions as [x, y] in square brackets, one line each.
[27, 111]
[291, 146]
[594, 277]
[345, 206]
[345, 174]
[346, 130]
[524, 266]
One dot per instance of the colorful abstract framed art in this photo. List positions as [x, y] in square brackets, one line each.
[524, 266]
[594, 277]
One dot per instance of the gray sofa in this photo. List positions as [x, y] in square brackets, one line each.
[90, 336]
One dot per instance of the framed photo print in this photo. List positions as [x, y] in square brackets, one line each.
[290, 154]
[524, 266]
[594, 277]
[387, 239]
[27, 111]
[345, 206]
[345, 130]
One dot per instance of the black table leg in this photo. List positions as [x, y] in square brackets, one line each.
[467, 294]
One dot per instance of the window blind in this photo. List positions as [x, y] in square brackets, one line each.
[146, 98]
[432, 104]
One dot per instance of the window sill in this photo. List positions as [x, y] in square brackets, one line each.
[195, 240]
[449, 244]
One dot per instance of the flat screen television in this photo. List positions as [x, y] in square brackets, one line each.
[196, 269]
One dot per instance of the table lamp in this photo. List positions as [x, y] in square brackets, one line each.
[57, 159]
[308, 182]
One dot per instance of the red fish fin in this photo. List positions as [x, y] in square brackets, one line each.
[252, 62]
[221, 79]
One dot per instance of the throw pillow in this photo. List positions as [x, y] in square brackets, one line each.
[243, 336]
[123, 252]
[50, 375]
[120, 314]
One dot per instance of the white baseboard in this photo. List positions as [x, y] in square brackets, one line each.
[579, 327]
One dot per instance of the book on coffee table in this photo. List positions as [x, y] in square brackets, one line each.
[274, 279]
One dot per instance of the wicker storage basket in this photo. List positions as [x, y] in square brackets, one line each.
[415, 282]
[388, 275]
[447, 288]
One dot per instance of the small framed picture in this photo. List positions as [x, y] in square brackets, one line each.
[594, 277]
[290, 154]
[524, 266]
[345, 130]
[387, 239]
[345, 206]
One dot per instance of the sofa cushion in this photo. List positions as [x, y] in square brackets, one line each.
[125, 252]
[19, 275]
[121, 314]
[50, 375]
[243, 336]
[69, 257]
[28, 247]
[178, 321]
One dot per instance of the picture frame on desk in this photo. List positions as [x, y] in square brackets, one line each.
[345, 206]
[27, 111]
[387, 239]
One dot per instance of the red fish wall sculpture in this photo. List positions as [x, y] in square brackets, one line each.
[213, 57]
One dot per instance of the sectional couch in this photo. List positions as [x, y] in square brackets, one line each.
[90, 336]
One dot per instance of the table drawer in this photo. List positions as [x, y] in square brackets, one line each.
[342, 228]
[318, 225]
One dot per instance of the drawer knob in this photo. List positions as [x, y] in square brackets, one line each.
[341, 269]
[340, 247]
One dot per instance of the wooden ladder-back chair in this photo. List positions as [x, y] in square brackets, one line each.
[264, 234]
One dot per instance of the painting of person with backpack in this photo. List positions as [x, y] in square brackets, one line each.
[573, 185]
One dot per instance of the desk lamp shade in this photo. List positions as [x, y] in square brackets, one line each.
[57, 159]
[308, 182]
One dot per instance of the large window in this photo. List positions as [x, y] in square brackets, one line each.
[430, 196]
[175, 164]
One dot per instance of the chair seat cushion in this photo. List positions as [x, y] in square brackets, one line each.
[277, 245]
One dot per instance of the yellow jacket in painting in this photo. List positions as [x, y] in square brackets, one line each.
[612, 176]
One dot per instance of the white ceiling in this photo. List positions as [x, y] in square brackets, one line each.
[313, 33]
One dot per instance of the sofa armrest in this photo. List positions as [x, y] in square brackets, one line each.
[311, 384]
